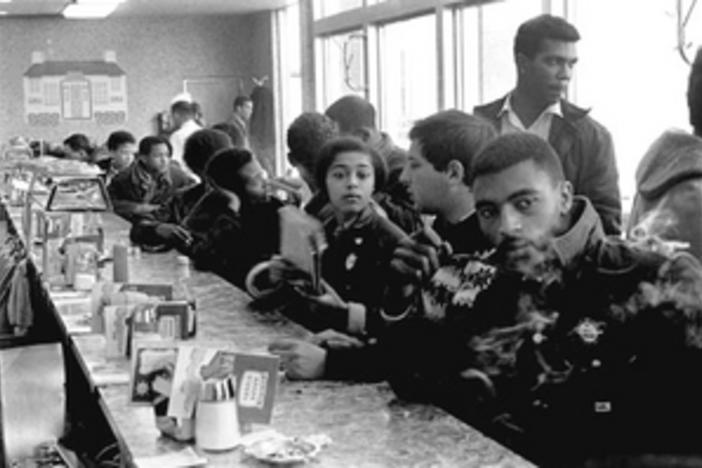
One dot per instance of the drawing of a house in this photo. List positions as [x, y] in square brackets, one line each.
[88, 90]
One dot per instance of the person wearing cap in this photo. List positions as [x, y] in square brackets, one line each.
[545, 56]
[167, 228]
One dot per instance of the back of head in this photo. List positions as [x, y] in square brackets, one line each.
[79, 141]
[201, 145]
[119, 138]
[694, 94]
[452, 135]
[532, 32]
[352, 113]
[514, 148]
[149, 142]
[183, 108]
[306, 136]
[224, 166]
[235, 134]
[336, 146]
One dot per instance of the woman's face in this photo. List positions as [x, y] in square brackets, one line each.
[350, 182]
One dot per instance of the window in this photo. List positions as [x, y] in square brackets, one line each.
[408, 74]
[341, 69]
[288, 63]
[323, 8]
[51, 94]
[100, 95]
[116, 84]
[35, 85]
[487, 41]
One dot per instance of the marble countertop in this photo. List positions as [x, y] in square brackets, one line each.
[369, 427]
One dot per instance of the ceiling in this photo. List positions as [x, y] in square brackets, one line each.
[147, 7]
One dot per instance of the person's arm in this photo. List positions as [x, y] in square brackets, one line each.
[600, 178]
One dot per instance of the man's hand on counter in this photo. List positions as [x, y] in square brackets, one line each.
[173, 232]
[300, 359]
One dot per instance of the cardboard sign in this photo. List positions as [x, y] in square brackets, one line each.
[255, 380]
[151, 376]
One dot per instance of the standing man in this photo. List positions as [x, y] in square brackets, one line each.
[183, 114]
[545, 55]
[243, 108]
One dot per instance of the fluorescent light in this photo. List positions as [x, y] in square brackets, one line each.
[5, 1]
[3, 13]
[88, 9]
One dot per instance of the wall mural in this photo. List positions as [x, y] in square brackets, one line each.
[57, 91]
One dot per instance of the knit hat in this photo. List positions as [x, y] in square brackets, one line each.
[201, 145]
[352, 113]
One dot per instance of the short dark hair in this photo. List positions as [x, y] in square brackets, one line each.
[452, 135]
[513, 148]
[148, 142]
[334, 147]
[531, 34]
[241, 100]
[119, 138]
[183, 107]
[201, 145]
[306, 136]
[235, 134]
[79, 141]
[352, 113]
[694, 94]
[224, 166]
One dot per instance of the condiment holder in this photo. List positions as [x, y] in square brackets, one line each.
[216, 416]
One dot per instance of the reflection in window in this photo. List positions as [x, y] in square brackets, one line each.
[341, 69]
[408, 76]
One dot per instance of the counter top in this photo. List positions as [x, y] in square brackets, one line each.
[368, 425]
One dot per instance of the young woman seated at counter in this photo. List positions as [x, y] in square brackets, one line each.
[360, 244]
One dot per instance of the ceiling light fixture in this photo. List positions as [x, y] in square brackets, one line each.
[90, 9]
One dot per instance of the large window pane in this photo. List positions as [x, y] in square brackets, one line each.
[341, 66]
[408, 74]
[488, 35]
[324, 8]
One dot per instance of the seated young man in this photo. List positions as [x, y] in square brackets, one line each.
[142, 188]
[167, 229]
[121, 147]
[443, 146]
[555, 343]
[242, 218]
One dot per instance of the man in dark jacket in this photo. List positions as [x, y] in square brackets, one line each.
[556, 343]
[171, 226]
[544, 53]
[141, 189]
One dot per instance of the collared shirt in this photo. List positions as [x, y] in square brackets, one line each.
[178, 143]
[510, 121]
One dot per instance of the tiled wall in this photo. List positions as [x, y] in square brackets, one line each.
[157, 54]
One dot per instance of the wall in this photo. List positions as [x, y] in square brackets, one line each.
[156, 53]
